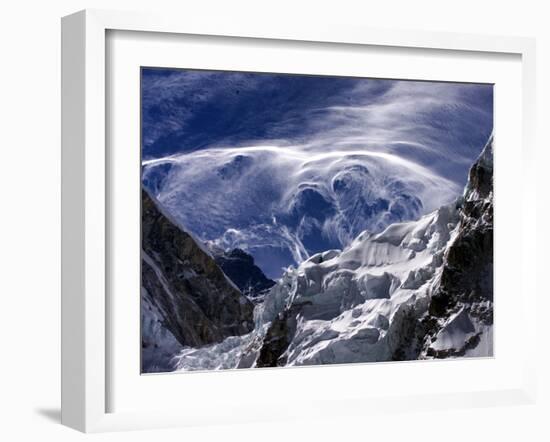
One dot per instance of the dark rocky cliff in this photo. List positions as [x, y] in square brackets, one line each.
[467, 278]
[190, 295]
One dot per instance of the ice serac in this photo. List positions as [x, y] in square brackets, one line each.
[187, 300]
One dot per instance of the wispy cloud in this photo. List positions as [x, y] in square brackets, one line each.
[441, 125]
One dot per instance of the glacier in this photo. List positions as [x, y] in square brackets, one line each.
[419, 289]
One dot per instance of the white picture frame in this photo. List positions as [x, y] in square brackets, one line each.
[85, 202]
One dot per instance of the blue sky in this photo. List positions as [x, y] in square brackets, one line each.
[188, 110]
[284, 166]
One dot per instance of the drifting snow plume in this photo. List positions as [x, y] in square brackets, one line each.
[283, 205]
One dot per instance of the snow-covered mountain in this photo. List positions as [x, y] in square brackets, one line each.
[416, 290]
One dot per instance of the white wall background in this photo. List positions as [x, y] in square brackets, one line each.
[30, 219]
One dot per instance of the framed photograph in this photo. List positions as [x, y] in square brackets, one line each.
[314, 221]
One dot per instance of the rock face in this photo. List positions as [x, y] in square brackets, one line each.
[186, 297]
[466, 288]
[240, 268]
[278, 337]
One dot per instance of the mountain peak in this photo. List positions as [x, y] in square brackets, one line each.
[480, 178]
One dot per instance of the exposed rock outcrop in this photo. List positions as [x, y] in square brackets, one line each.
[466, 287]
[184, 290]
